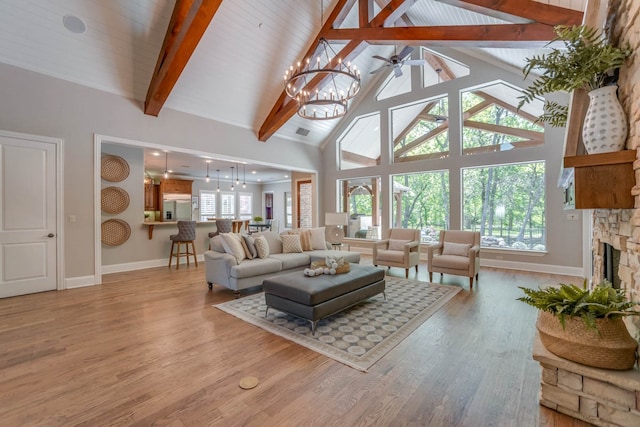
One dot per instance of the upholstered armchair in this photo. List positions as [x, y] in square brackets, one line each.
[457, 253]
[400, 248]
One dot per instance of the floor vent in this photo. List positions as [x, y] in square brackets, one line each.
[303, 131]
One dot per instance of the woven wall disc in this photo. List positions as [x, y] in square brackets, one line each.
[114, 168]
[115, 232]
[114, 200]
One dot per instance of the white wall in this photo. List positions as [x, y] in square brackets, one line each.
[37, 104]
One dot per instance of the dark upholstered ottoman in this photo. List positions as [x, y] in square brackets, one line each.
[316, 297]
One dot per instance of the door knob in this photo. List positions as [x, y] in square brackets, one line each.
[51, 235]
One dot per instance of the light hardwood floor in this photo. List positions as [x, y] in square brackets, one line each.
[147, 348]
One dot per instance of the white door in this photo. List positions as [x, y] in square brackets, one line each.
[27, 216]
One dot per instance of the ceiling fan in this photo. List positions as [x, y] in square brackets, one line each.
[398, 60]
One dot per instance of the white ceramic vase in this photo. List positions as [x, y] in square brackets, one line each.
[605, 124]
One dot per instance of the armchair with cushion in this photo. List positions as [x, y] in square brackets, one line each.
[401, 248]
[457, 253]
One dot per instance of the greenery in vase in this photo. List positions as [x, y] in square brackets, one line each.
[585, 62]
[601, 302]
[257, 218]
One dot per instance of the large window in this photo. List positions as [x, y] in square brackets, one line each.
[360, 144]
[227, 205]
[506, 205]
[246, 205]
[492, 121]
[421, 201]
[207, 205]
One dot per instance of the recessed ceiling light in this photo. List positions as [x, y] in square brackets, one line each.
[286, 176]
[259, 180]
[74, 24]
[155, 153]
[254, 172]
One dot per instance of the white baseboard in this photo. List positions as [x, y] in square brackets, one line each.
[132, 266]
[533, 267]
[79, 282]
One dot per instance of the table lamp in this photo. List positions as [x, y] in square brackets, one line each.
[334, 221]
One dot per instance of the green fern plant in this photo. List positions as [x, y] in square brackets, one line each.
[585, 62]
[601, 302]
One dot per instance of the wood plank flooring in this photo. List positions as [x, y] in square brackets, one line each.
[147, 348]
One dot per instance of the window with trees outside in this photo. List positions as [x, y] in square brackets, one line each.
[360, 198]
[421, 201]
[492, 122]
[227, 205]
[506, 205]
[207, 205]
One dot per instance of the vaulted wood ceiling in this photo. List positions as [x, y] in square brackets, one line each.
[531, 25]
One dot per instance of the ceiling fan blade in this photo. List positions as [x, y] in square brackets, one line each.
[415, 62]
[378, 69]
[397, 71]
[381, 58]
[405, 52]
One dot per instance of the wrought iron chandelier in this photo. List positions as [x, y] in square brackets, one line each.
[341, 83]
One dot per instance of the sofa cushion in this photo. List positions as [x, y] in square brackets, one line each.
[291, 244]
[247, 252]
[293, 260]
[232, 245]
[262, 246]
[255, 267]
[216, 244]
[251, 246]
[318, 238]
[273, 239]
[394, 256]
[397, 245]
[459, 249]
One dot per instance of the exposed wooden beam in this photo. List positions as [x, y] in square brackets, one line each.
[416, 142]
[507, 35]
[438, 63]
[188, 23]
[504, 130]
[429, 156]
[513, 109]
[389, 14]
[359, 159]
[498, 147]
[364, 6]
[527, 9]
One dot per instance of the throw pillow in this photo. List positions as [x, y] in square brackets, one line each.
[232, 245]
[459, 249]
[291, 243]
[397, 245]
[305, 239]
[251, 246]
[262, 246]
[216, 244]
[318, 238]
[247, 253]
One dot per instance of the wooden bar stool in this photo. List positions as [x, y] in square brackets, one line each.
[187, 235]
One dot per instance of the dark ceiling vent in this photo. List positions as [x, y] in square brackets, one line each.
[303, 131]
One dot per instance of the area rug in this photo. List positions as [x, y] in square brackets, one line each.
[360, 335]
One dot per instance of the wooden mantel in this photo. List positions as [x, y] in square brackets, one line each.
[603, 181]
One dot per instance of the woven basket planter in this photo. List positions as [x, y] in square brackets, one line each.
[610, 347]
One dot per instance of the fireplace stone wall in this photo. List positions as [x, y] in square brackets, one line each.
[621, 227]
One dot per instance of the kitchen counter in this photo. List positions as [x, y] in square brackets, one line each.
[152, 224]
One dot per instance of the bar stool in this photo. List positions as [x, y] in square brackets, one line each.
[222, 226]
[186, 234]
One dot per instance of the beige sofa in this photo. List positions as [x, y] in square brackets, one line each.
[224, 269]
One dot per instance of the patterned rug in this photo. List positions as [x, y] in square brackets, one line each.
[360, 335]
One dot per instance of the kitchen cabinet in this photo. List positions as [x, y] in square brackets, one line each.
[175, 186]
[151, 197]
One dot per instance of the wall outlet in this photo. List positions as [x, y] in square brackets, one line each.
[572, 216]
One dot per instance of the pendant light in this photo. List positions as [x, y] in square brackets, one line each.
[237, 174]
[232, 187]
[207, 178]
[166, 163]
[218, 189]
[244, 176]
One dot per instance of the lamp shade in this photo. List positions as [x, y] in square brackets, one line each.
[336, 218]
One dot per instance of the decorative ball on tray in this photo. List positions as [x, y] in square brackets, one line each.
[331, 265]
